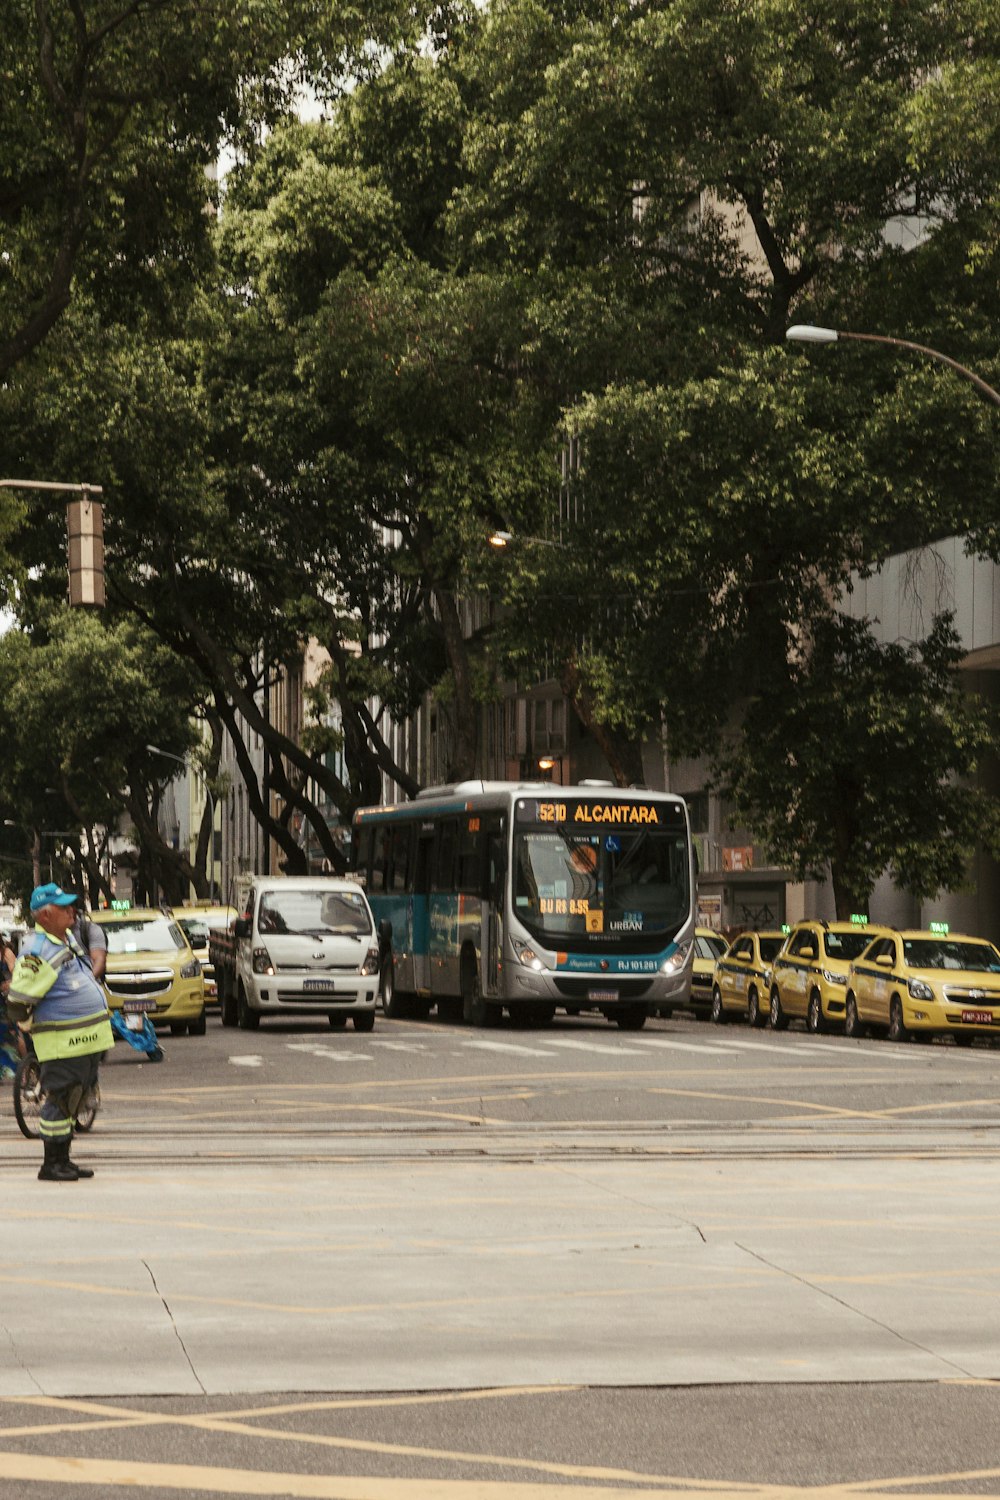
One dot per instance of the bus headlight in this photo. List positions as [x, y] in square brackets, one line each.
[675, 963]
[527, 955]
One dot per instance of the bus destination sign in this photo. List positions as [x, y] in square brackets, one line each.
[596, 813]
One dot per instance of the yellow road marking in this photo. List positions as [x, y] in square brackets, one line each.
[27, 1467]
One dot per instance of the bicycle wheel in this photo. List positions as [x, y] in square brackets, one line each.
[28, 1096]
[89, 1105]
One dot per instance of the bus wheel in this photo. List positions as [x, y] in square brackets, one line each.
[450, 1010]
[475, 1010]
[631, 1017]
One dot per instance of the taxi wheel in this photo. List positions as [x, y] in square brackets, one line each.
[779, 1021]
[897, 1027]
[718, 1011]
[852, 1021]
[755, 1015]
[198, 1027]
[814, 1015]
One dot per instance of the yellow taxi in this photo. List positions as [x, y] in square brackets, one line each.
[925, 982]
[809, 975]
[196, 922]
[742, 981]
[709, 946]
[151, 969]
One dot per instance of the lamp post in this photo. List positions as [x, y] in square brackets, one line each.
[169, 755]
[501, 539]
[809, 333]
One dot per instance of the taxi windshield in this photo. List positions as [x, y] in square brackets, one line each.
[195, 929]
[769, 947]
[846, 944]
[134, 935]
[314, 913]
[947, 953]
[711, 948]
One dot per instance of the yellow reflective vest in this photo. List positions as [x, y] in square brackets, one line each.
[54, 993]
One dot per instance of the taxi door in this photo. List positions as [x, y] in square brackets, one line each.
[734, 975]
[878, 982]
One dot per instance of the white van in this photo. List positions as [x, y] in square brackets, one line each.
[306, 946]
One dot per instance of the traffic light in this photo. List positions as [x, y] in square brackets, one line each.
[85, 527]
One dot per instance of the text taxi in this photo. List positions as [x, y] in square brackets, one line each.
[742, 980]
[809, 975]
[925, 982]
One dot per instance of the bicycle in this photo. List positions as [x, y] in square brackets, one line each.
[29, 1096]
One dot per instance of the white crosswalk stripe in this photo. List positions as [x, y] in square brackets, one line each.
[608, 1049]
[517, 1049]
[714, 1049]
[331, 1054]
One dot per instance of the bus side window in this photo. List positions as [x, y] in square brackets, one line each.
[444, 863]
[402, 843]
[495, 851]
[362, 851]
[470, 857]
[420, 868]
[380, 858]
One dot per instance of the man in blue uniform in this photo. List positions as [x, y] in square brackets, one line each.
[54, 995]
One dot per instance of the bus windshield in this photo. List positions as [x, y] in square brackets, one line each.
[595, 888]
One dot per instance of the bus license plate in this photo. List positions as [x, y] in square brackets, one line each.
[978, 1017]
[137, 1007]
[320, 986]
[602, 995]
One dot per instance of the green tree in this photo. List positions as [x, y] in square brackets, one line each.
[863, 763]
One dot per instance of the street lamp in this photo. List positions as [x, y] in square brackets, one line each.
[809, 333]
[501, 539]
[169, 755]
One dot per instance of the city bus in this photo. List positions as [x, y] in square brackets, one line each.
[526, 897]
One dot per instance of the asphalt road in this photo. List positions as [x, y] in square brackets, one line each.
[431, 1261]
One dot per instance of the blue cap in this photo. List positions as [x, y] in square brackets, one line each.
[51, 895]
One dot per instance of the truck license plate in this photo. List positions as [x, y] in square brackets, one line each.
[320, 986]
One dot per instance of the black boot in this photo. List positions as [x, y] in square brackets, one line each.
[75, 1165]
[56, 1166]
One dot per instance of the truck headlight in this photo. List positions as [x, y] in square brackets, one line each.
[370, 965]
[261, 962]
[919, 989]
[675, 963]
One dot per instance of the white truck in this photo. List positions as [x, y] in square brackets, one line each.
[303, 946]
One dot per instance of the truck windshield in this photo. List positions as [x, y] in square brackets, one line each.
[596, 888]
[314, 913]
